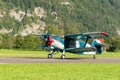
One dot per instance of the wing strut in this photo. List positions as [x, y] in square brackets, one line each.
[88, 37]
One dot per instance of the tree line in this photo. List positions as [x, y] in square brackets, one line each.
[31, 42]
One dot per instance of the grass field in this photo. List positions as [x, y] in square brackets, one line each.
[43, 54]
[59, 71]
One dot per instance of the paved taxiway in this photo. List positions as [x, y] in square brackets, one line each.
[56, 60]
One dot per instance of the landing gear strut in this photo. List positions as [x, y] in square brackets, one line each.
[53, 52]
[63, 55]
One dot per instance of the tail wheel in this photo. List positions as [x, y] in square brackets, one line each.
[94, 57]
[63, 56]
[49, 55]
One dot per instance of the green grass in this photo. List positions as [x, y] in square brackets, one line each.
[59, 71]
[43, 54]
[22, 53]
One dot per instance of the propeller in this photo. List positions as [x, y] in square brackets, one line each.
[47, 39]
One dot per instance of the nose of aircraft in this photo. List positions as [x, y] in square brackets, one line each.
[48, 40]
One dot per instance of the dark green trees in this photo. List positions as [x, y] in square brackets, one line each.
[29, 42]
[114, 44]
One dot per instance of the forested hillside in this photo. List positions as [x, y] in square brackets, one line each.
[65, 16]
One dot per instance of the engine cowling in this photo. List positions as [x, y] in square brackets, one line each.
[49, 41]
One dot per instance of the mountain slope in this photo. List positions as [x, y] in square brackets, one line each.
[71, 16]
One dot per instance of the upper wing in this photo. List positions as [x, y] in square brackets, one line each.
[84, 36]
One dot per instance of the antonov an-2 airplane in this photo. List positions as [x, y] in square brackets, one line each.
[75, 43]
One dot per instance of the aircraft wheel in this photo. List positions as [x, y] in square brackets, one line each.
[63, 56]
[94, 57]
[49, 55]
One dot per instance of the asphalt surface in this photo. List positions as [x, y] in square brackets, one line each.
[56, 60]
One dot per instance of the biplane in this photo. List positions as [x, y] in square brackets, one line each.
[85, 43]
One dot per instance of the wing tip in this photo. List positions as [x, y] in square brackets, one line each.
[104, 33]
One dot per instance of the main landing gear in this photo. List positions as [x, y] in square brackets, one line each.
[50, 55]
[94, 57]
[63, 56]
